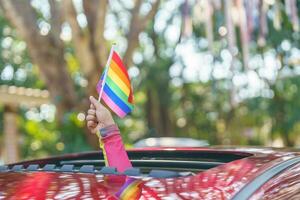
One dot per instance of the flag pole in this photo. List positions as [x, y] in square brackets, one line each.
[106, 70]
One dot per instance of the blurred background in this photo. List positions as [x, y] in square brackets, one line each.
[221, 71]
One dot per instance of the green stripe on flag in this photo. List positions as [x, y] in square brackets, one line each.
[118, 91]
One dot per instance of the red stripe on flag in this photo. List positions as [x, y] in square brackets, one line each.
[118, 61]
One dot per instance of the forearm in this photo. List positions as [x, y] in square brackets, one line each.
[113, 148]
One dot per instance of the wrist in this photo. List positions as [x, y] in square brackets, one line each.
[106, 123]
[108, 130]
[109, 122]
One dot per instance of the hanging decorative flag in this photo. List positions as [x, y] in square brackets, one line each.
[114, 86]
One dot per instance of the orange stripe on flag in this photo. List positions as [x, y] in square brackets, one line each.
[119, 62]
[116, 79]
[120, 73]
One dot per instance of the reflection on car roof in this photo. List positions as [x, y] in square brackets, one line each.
[170, 142]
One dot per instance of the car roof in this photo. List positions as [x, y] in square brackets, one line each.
[222, 173]
[170, 141]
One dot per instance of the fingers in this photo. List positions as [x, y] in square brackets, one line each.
[91, 115]
[92, 106]
[91, 124]
[91, 118]
[98, 116]
[91, 112]
[95, 102]
[94, 130]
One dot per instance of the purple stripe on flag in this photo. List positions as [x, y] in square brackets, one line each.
[127, 183]
[112, 105]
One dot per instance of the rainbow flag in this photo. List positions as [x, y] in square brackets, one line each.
[114, 86]
[132, 189]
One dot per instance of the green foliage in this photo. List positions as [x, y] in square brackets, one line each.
[72, 134]
[42, 138]
[174, 105]
[38, 137]
[15, 65]
[284, 109]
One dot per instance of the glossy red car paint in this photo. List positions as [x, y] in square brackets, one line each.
[222, 182]
[283, 186]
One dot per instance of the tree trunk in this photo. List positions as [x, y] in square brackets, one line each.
[287, 141]
[165, 120]
[47, 51]
[54, 73]
[11, 136]
[157, 114]
[152, 114]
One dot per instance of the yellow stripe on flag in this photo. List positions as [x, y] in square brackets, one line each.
[119, 72]
[115, 78]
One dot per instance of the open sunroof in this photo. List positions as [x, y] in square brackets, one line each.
[147, 161]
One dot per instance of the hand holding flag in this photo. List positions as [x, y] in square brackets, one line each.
[98, 116]
[114, 86]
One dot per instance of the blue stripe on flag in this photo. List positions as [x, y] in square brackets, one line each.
[116, 99]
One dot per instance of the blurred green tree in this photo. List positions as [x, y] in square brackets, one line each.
[225, 71]
[42, 33]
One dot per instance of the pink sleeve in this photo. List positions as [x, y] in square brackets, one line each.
[113, 148]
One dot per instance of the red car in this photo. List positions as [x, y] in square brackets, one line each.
[162, 173]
